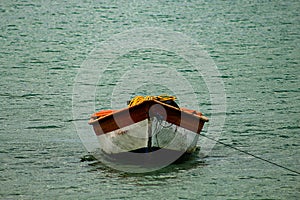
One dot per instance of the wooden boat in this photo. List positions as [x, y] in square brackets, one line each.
[155, 127]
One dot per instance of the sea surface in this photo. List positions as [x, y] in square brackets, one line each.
[255, 47]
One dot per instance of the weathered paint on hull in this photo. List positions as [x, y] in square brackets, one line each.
[136, 136]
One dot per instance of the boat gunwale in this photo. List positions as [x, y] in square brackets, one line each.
[186, 120]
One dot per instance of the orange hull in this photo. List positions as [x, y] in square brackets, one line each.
[107, 121]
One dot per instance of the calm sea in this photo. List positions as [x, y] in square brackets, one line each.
[254, 44]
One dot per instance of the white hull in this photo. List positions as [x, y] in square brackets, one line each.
[136, 136]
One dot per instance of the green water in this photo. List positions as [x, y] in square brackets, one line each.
[255, 45]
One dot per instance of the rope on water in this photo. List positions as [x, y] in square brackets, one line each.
[250, 154]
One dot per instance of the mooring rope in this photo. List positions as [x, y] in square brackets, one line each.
[255, 156]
